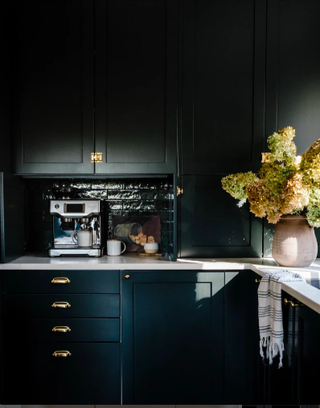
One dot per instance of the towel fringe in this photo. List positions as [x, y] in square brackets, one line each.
[269, 349]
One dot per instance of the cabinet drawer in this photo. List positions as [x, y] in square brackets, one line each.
[38, 281]
[76, 305]
[90, 375]
[61, 330]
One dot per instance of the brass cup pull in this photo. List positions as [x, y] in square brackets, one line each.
[61, 353]
[289, 302]
[61, 329]
[61, 305]
[60, 280]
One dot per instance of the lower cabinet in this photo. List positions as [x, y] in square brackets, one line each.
[62, 373]
[61, 337]
[296, 383]
[187, 337]
[308, 355]
[174, 337]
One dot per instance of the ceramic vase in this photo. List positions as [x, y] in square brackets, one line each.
[294, 242]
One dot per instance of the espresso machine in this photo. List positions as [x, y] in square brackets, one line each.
[72, 218]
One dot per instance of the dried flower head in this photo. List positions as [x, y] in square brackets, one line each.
[286, 183]
[235, 184]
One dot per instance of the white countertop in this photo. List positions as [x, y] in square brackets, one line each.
[303, 292]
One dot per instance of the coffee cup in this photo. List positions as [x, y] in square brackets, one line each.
[83, 237]
[114, 247]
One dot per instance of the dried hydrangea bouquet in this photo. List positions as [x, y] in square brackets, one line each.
[286, 185]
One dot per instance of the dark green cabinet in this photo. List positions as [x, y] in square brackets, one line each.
[172, 337]
[211, 223]
[241, 338]
[308, 354]
[295, 383]
[223, 85]
[292, 82]
[95, 76]
[136, 85]
[222, 120]
[187, 337]
[293, 61]
[61, 337]
[52, 86]
[90, 374]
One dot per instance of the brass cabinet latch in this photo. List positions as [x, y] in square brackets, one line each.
[179, 191]
[96, 157]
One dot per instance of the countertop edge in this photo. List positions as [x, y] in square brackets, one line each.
[303, 292]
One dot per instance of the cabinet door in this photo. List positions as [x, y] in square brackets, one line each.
[292, 80]
[307, 374]
[211, 223]
[52, 71]
[241, 337]
[89, 375]
[293, 64]
[172, 337]
[223, 85]
[136, 90]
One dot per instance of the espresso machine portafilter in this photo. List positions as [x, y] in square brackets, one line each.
[77, 227]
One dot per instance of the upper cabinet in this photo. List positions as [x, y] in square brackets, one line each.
[95, 77]
[293, 66]
[222, 123]
[223, 85]
[136, 87]
[53, 86]
[293, 81]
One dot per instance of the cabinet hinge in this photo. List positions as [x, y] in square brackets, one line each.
[179, 191]
[96, 157]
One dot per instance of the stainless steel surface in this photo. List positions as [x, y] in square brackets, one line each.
[70, 216]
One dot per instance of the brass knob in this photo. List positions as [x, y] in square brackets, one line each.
[127, 276]
[61, 353]
[60, 280]
[257, 280]
[61, 329]
[61, 305]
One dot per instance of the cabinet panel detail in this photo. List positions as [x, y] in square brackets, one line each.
[173, 337]
[53, 72]
[136, 85]
[38, 281]
[223, 92]
[62, 329]
[77, 305]
[223, 229]
[90, 374]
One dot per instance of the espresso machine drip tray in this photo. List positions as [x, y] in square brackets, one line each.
[75, 252]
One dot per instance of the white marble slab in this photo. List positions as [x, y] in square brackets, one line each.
[303, 292]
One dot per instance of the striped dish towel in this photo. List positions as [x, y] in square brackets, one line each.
[270, 312]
